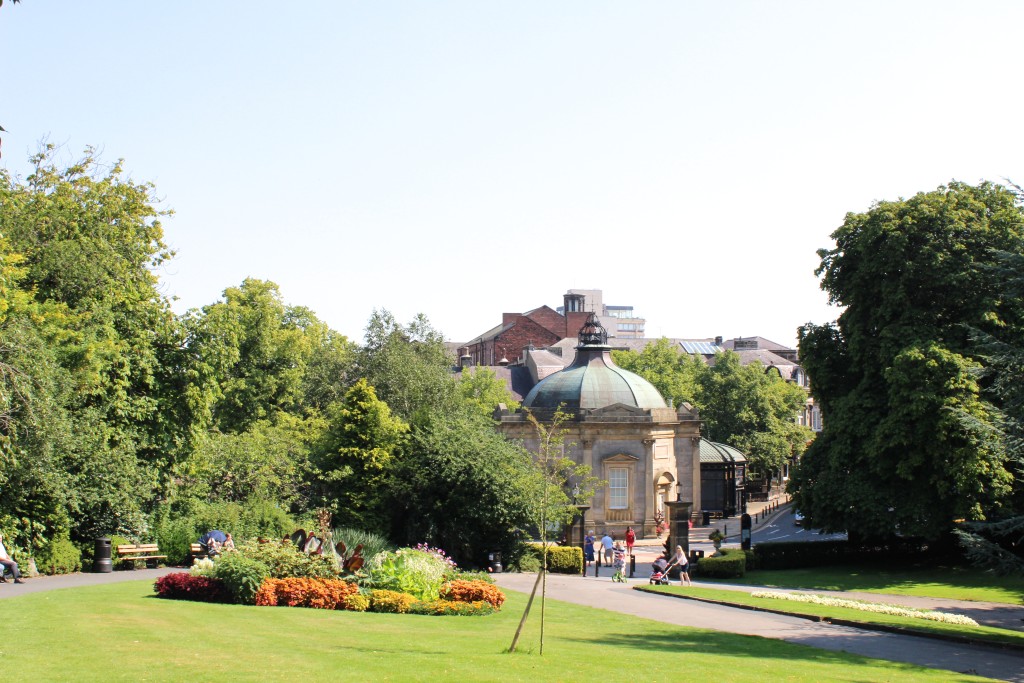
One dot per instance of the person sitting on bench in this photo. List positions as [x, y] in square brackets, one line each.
[8, 563]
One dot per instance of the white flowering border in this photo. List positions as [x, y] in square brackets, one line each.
[879, 607]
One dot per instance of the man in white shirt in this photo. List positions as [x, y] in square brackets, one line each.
[607, 542]
[8, 563]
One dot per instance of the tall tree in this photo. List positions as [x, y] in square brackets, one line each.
[408, 365]
[908, 442]
[89, 239]
[753, 410]
[353, 461]
[676, 375]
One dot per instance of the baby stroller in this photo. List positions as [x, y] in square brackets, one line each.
[659, 572]
[619, 564]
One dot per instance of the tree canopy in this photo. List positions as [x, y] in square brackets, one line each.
[744, 406]
[911, 439]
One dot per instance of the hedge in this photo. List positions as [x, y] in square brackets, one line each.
[561, 559]
[727, 563]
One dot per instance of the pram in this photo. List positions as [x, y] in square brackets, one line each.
[659, 572]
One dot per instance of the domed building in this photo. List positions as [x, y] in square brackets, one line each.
[646, 452]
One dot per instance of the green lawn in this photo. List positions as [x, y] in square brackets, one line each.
[120, 632]
[988, 634]
[937, 582]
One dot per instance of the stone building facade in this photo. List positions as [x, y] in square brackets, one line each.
[645, 452]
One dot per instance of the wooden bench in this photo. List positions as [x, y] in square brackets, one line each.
[139, 551]
[198, 551]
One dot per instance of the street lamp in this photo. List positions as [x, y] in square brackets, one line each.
[582, 510]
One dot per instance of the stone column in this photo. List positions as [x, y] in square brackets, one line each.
[679, 525]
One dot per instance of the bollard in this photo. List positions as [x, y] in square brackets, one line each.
[725, 529]
[632, 565]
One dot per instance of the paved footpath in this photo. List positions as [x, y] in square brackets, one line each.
[936, 654]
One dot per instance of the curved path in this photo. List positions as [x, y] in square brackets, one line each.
[936, 654]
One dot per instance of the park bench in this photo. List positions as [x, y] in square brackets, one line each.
[198, 551]
[139, 551]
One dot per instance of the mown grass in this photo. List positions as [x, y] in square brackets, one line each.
[120, 632]
[958, 583]
[987, 634]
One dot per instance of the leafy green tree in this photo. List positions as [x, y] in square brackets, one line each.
[353, 460]
[461, 486]
[88, 240]
[267, 462]
[480, 388]
[409, 366]
[753, 410]
[744, 406]
[909, 444]
[676, 375]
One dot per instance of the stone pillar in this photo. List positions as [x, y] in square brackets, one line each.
[679, 525]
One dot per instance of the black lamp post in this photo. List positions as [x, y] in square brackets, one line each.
[582, 509]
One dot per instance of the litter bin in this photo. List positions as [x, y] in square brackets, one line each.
[706, 518]
[696, 556]
[494, 562]
[101, 563]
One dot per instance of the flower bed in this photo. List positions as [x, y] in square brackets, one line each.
[879, 607]
[473, 591]
[315, 593]
[181, 586]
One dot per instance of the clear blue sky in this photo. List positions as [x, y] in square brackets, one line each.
[462, 159]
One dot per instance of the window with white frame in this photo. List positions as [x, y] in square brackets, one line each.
[618, 488]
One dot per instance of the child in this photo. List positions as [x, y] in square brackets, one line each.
[619, 562]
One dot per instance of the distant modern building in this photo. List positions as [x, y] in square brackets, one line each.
[620, 321]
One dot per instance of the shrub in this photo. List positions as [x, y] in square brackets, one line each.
[315, 593]
[392, 602]
[202, 566]
[284, 560]
[175, 538]
[182, 586]
[561, 559]
[528, 563]
[357, 603]
[473, 591]
[419, 573]
[727, 563]
[242, 576]
[445, 608]
[59, 556]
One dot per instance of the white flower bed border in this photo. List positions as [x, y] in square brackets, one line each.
[878, 607]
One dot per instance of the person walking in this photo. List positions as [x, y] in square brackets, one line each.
[8, 563]
[630, 540]
[680, 560]
[588, 549]
[607, 543]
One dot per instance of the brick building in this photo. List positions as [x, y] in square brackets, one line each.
[540, 327]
